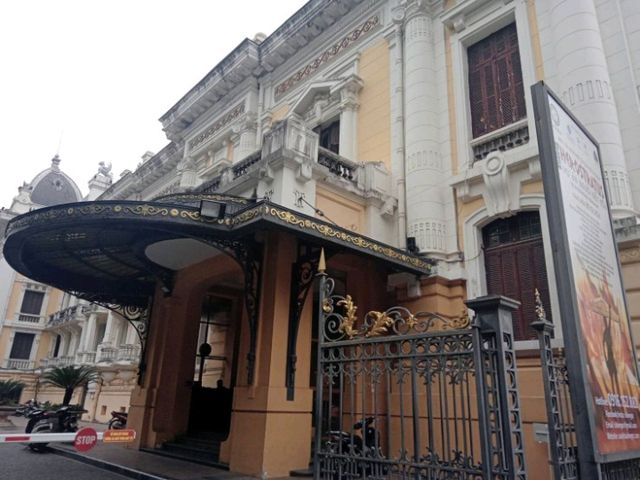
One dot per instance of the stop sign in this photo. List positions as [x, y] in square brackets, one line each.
[86, 439]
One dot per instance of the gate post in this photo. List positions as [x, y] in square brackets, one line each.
[499, 402]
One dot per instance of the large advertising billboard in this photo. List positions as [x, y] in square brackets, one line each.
[603, 359]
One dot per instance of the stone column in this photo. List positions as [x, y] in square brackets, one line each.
[90, 333]
[64, 340]
[585, 86]
[349, 117]
[247, 141]
[425, 174]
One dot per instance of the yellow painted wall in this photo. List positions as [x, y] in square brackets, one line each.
[346, 213]
[531, 188]
[374, 114]
[630, 262]
[535, 39]
[279, 113]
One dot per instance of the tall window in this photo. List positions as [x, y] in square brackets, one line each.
[32, 302]
[496, 91]
[330, 136]
[515, 267]
[21, 348]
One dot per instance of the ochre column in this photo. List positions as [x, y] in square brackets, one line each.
[270, 435]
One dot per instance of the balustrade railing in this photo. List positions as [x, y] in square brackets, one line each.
[506, 138]
[19, 364]
[337, 165]
[24, 317]
[128, 353]
[86, 357]
[107, 354]
[242, 167]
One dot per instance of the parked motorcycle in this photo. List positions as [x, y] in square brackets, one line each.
[366, 444]
[64, 419]
[27, 408]
[118, 420]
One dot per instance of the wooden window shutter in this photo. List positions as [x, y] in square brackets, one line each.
[515, 267]
[496, 90]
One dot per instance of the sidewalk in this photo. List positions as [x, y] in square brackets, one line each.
[136, 464]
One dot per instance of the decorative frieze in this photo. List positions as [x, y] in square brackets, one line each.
[329, 54]
[225, 120]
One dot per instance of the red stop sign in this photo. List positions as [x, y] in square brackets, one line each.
[86, 439]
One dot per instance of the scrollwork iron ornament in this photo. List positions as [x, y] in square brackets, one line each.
[138, 317]
[340, 320]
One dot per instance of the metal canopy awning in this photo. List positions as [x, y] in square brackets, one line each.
[99, 250]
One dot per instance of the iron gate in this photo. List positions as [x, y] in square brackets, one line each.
[402, 395]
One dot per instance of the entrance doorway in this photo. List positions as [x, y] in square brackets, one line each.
[215, 367]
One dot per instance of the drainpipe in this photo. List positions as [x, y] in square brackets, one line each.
[398, 161]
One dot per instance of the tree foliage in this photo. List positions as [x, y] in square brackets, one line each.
[10, 391]
[69, 378]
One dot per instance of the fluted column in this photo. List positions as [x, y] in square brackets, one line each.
[247, 141]
[425, 175]
[90, 333]
[585, 86]
[348, 118]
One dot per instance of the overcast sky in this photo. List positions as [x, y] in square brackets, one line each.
[95, 76]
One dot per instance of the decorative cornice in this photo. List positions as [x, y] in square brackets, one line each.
[355, 240]
[328, 55]
[225, 120]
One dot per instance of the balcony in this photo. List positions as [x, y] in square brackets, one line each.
[52, 362]
[28, 318]
[106, 354]
[18, 364]
[84, 358]
[128, 353]
[506, 138]
[74, 313]
[124, 354]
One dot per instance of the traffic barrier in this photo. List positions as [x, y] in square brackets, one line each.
[83, 440]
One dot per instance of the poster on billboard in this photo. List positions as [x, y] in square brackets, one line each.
[595, 321]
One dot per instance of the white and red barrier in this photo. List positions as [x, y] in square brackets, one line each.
[83, 440]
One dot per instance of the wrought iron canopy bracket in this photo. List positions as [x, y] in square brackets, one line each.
[302, 276]
[138, 317]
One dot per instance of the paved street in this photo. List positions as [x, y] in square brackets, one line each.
[17, 462]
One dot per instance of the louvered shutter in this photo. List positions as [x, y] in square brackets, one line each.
[515, 268]
[496, 91]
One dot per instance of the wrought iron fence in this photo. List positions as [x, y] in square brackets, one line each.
[563, 443]
[402, 395]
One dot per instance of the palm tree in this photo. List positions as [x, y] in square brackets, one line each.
[10, 391]
[69, 378]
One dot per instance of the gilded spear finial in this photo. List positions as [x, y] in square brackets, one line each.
[322, 264]
[540, 313]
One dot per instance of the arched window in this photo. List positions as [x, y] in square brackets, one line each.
[515, 266]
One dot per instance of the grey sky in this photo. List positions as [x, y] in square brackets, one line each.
[98, 74]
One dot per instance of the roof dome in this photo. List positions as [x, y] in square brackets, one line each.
[52, 186]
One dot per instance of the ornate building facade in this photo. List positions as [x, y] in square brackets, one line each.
[400, 136]
[42, 327]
